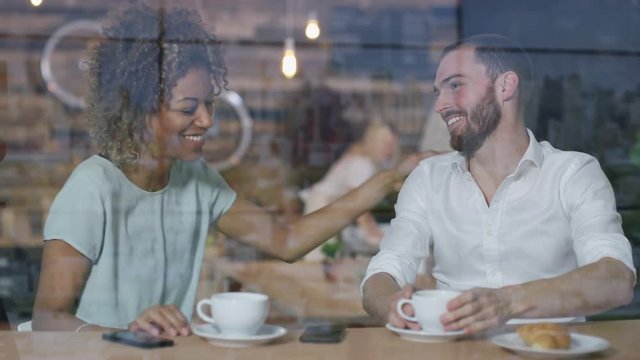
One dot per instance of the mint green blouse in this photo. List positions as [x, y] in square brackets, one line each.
[146, 247]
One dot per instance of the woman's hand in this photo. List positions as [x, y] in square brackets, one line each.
[409, 163]
[162, 320]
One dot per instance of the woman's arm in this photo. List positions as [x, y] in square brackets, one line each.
[254, 226]
[62, 278]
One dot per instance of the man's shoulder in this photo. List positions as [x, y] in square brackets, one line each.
[442, 160]
[558, 157]
[436, 171]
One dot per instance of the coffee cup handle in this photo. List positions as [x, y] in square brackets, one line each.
[401, 303]
[201, 313]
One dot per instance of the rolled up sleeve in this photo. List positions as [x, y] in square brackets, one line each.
[406, 244]
[596, 226]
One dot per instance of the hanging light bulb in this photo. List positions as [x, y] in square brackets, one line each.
[289, 62]
[312, 31]
[36, 3]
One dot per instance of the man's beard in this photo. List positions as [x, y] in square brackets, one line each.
[482, 121]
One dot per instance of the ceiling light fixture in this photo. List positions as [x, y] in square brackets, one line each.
[289, 61]
[312, 31]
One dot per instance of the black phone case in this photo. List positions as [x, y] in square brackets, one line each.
[140, 340]
[323, 334]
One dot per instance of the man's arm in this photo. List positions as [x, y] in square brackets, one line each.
[593, 288]
[376, 296]
[590, 289]
[401, 252]
[380, 294]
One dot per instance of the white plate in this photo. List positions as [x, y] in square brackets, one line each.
[425, 336]
[266, 334]
[580, 345]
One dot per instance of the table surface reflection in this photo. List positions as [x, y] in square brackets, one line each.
[360, 343]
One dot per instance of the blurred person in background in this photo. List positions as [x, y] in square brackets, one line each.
[375, 151]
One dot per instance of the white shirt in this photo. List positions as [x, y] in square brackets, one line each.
[556, 212]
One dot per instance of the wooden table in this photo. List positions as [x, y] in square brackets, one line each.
[360, 343]
[301, 289]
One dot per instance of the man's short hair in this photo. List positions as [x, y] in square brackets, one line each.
[499, 54]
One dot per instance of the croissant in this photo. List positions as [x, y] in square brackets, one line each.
[545, 336]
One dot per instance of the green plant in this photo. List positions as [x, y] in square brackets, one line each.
[332, 248]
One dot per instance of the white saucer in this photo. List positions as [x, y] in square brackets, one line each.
[426, 336]
[266, 334]
[580, 345]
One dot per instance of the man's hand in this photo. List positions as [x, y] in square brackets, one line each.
[161, 319]
[394, 317]
[478, 309]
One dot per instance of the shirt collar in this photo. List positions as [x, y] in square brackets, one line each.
[533, 155]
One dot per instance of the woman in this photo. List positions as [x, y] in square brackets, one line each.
[124, 238]
[375, 151]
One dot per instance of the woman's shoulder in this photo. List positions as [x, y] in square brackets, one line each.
[93, 169]
[97, 173]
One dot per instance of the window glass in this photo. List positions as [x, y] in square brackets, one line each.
[274, 137]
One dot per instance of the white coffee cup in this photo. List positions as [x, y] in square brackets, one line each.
[236, 313]
[428, 306]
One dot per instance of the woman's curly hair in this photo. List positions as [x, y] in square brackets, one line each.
[145, 51]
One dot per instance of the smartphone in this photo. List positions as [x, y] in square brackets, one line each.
[329, 333]
[137, 338]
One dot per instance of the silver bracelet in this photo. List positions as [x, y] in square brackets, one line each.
[82, 326]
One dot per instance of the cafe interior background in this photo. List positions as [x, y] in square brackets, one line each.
[279, 129]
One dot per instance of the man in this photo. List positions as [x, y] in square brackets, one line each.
[523, 229]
